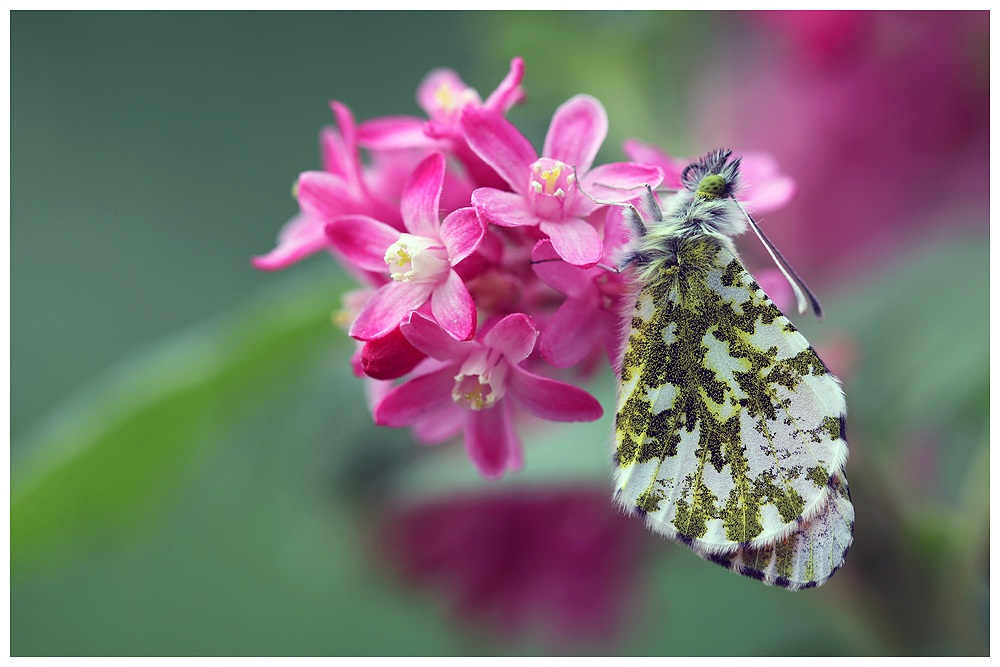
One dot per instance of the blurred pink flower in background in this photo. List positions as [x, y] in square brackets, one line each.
[561, 563]
[883, 118]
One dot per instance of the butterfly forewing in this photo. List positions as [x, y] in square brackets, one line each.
[729, 427]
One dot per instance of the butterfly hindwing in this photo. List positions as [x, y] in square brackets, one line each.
[729, 427]
[808, 556]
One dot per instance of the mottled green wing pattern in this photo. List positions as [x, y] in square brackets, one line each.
[808, 556]
[729, 429]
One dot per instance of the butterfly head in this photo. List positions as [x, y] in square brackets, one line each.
[711, 187]
[713, 176]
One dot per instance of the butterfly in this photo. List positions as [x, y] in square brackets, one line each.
[730, 431]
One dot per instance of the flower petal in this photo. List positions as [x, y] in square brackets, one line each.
[507, 209]
[569, 279]
[769, 195]
[422, 196]
[564, 342]
[416, 399]
[375, 390]
[442, 426]
[300, 237]
[393, 132]
[390, 356]
[579, 127]
[387, 307]
[639, 151]
[340, 149]
[575, 240]
[621, 181]
[428, 337]
[462, 232]
[514, 335]
[490, 442]
[325, 196]
[362, 241]
[776, 286]
[766, 189]
[500, 145]
[550, 399]
[441, 91]
[452, 307]
[509, 92]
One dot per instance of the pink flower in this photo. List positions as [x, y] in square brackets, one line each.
[544, 193]
[588, 317]
[443, 96]
[473, 387]
[765, 187]
[420, 260]
[565, 562]
[343, 188]
[389, 357]
[883, 117]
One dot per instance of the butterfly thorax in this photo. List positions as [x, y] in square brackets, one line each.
[687, 216]
[704, 207]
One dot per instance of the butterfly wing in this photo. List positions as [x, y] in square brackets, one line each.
[729, 429]
[808, 556]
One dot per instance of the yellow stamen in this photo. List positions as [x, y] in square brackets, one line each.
[404, 257]
[475, 398]
[550, 176]
[445, 97]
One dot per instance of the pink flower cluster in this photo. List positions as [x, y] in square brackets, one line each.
[479, 258]
[562, 561]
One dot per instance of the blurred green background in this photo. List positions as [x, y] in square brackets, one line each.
[194, 469]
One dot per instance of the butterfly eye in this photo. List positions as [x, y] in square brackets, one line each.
[711, 186]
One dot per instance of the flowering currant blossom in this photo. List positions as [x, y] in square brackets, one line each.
[592, 299]
[473, 387]
[443, 96]
[544, 192]
[478, 258]
[419, 260]
[343, 187]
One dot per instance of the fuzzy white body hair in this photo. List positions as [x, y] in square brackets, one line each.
[687, 214]
[692, 213]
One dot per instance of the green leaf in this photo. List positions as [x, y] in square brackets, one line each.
[98, 466]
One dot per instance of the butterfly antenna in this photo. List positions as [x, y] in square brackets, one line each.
[637, 224]
[786, 269]
[659, 191]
